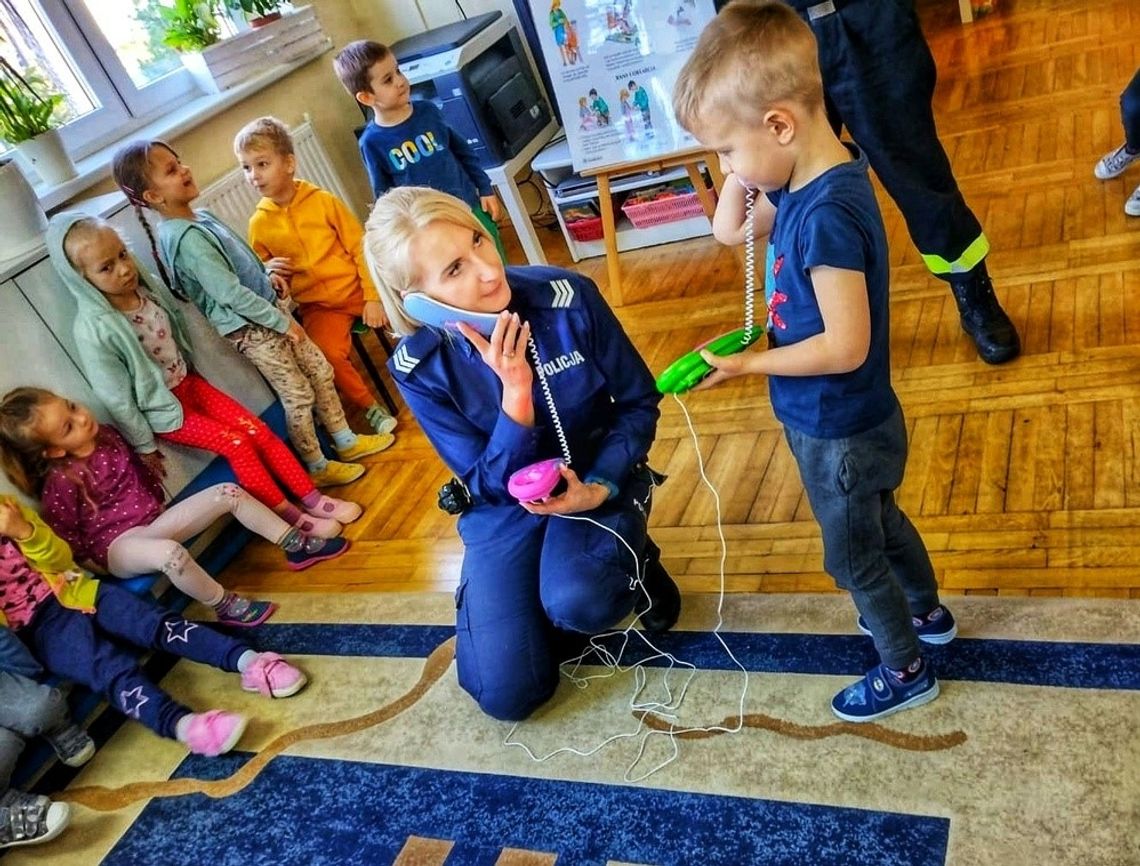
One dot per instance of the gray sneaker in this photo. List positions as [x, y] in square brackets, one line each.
[72, 745]
[1113, 164]
[28, 819]
[1132, 205]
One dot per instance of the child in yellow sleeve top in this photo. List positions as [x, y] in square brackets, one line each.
[78, 628]
[310, 236]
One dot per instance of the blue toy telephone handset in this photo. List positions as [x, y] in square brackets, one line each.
[440, 315]
[531, 483]
[690, 369]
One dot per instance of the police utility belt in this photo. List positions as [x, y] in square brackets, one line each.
[455, 498]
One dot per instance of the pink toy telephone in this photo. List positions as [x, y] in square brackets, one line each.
[538, 481]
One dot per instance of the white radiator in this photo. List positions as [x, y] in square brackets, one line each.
[232, 199]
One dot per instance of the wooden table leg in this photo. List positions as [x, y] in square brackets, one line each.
[609, 233]
[713, 165]
[698, 181]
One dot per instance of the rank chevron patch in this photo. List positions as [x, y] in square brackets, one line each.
[563, 293]
[403, 361]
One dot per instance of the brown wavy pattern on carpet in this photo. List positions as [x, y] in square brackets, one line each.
[886, 736]
[105, 799]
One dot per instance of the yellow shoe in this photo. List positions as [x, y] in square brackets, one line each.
[336, 473]
[365, 445]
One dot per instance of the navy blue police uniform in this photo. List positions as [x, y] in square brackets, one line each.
[527, 579]
[878, 78]
[881, 91]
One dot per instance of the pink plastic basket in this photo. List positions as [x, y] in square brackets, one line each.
[586, 230]
[663, 210]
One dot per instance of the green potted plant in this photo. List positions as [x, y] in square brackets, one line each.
[30, 117]
[190, 26]
[259, 12]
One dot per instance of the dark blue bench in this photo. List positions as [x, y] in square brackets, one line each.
[216, 556]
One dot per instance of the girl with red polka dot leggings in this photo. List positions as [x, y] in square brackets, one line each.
[214, 421]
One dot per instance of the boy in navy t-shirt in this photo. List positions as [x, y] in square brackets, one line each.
[828, 362]
[410, 144]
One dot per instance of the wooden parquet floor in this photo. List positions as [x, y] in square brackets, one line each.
[1022, 479]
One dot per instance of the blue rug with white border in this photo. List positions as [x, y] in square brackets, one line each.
[1030, 754]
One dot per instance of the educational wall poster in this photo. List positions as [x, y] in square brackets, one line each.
[613, 64]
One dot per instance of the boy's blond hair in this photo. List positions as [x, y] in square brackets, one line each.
[354, 62]
[396, 218]
[265, 133]
[753, 55]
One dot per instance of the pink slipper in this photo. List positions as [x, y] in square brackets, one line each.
[337, 509]
[321, 527]
[214, 732]
[274, 677]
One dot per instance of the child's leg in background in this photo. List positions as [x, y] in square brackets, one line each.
[1130, 113]
[870, 548]
[272, 354]
[27, 709]
[492, 230]
[158, 547]
[244, 429]
[319, 372]
[258, 445]
[331, 330]
[199, 430]
[78, 647]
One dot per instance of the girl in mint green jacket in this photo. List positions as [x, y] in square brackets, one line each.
[76, 626]
[134, 351]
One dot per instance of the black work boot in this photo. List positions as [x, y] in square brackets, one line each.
[983, 318]
[664, 598]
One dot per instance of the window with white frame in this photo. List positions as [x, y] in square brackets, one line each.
[107, 58]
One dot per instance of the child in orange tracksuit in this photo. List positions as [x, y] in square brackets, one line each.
[310, 236]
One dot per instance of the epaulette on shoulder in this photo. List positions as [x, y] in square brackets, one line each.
[412, 350]
[554, 288]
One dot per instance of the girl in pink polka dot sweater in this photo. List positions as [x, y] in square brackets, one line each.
[109, 507]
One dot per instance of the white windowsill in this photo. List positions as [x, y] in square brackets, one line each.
[97, 167]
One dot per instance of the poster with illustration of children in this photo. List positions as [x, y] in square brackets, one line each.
[613, 64]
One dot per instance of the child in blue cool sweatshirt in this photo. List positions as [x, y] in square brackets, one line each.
[410, 144]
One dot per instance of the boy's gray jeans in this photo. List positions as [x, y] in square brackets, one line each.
[870, 547]
[27, 709]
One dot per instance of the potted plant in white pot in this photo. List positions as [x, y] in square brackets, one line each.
[258, 12]
[191, 27]
[30, 118]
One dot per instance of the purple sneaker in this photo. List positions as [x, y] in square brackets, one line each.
[315, 550]
[233, 610]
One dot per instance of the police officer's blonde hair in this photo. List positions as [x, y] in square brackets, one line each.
[396, 218]
[753, 55]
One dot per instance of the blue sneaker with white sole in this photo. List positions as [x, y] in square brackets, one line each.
[881, 693]
[937, 627]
